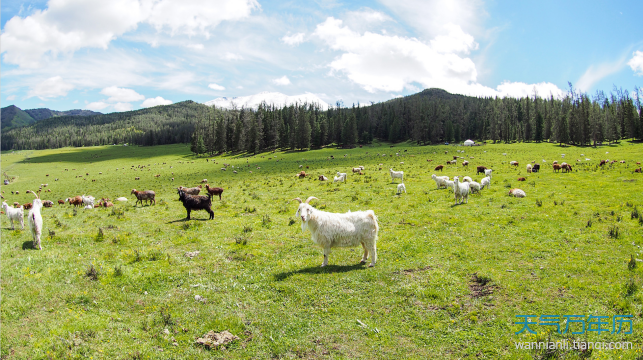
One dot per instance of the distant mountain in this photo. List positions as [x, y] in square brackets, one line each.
[13, 116]
[270, 98]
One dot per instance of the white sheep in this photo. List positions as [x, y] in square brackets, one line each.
[449, 184]
[517, 193]
[485, 182]
[488, 172]
[88, 200]
[460, 190]
[529, 167]
[440, 180]
[474, 187]
[121, 199]
[338, 178]
[467, 179]
[396, 174]
[331, 230]
[401, 188]
[342, 176]
[16, 214]
[35, 221]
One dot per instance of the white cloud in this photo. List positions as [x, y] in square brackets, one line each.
[155, 102]
[97, 105]
[595, 73]
[117, 94]
[198, 47]
[231, 56]
[122, 106]
[636, 63]
[66, 26]
[50, 88]
[11, 97]
[281, 81]
[522, 90]
[454, 41]
[293, 40]
[216, 87]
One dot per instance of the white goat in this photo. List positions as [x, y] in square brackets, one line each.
[449, 184]
[474, 186]
[487, 173]
[401, 188]
[440, 180]
[338, 178]
[331, 230]
[529, 168]
[460, 190]
[485, 182]
[467, 179]
[121, 199]
[517, 193]
[88, 200]
[35, 221]
[396, 174]
[16, 214]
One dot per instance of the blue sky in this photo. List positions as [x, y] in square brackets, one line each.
[126, 54]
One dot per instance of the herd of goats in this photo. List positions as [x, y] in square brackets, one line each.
[328, 230]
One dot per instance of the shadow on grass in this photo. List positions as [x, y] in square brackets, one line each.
[320, 270]
[186, 219]
[28, 245]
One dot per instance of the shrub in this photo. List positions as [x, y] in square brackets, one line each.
[613, 232]
[92, 273]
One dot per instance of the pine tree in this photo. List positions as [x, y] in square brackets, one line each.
[538, 135]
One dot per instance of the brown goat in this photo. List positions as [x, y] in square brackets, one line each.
[638, 170]
[480, 169]
[214, 191]
[48, 203]
[465, 163]
[61, 202]
[16, 204]
[557, 167]
[76, 201]
[27, 206]
[439, 168]
[566, 168]
[603, 162]
[147, 195]
[522, 179]
[301, 174]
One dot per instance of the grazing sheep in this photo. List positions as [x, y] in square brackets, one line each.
[529, 167]
[401, 188]
[481, 170]
[439, 168]
[603, 162]
[147, 195]
[637, 170]
[342, 175]
[204, 181]
[449, 184]
[514, 163]
[35, 221]
[486, 181]
[122, 198]
[467, 179]
[76, 201]
[322, 178]
[331, 230]
[396, 174]
[488, 172]
[338, 178]
[105, 203]
[536, 168]
[355, 170]
[137, 178]
[196, 202]
[517, 193]
[554, 162]
[89, 207]
[16, 204]
[566, 167]
[465, 163]
[521, 179]
[460, 190]
[191, 191]
[474, 186]
[16, 214]
[61, 202]
[556, 167]
[88, 200]
[302, 174]
[214, 191]
[48, 203]
[440, 180]
[27, 206]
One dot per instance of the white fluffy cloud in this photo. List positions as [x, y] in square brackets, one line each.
[66, 26]
[293, 40]
[50, 88]
[216, 87]
[11, 97]
[97, 105]
[230, 56]
[454, 41]
[198, 47]
[281, 81]
[155, 102]
[117, 94]
[522, 90]
[122, 106]
[636, 63]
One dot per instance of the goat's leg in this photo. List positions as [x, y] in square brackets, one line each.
[326, 252]
[189, 210]
[373, 251]
[363, 261]
[36, 241]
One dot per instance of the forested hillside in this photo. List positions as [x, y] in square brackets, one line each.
[431, 116]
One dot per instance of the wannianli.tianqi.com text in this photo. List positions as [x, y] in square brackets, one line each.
[573, 345]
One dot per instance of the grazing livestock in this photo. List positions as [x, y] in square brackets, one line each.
[396, 174]
[204, 181]
[147, 195]
[88, 200]
[191, 191]
[356, 170]
[566, 167]
[465, 163]
[122, 198]
[521, 179]
[474, 186]
[322, 178]
[467, 179]
[603, 162]
[302, 174]
[486, 181]
[214, 190]
[557, 167]
[517, 193]
[35, 221]
[76, 201]
[439, 168]
[14, 214]
[480, 170]
[488, 172]
[16, 204]
[61, 202]
[529, 167]
[460, 190]
[401, 188]
[331, 230]
[637, 170]
[536, 168]
[196, 202]
[48, 203]
[28, 206]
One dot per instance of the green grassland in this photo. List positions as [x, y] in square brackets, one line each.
[448, 282]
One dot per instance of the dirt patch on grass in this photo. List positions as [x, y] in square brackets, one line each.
[481, 286]
[411, 271]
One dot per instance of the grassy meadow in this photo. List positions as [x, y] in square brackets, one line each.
[115, 283]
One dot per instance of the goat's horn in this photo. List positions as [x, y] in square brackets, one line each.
[310, 198]
[36, 195]
[298, 199]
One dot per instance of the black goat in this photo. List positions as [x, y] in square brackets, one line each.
[196, 202]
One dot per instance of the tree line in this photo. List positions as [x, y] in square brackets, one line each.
[429, 117]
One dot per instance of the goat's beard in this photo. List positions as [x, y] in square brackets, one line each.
[304, 226]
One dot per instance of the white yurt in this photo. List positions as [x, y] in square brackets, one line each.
[469, 143]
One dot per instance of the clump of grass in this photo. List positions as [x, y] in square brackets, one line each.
[291, 221]
[354, 198]
[539, 203]
[250, 210]
[631, 265]
[92, 273]
[630, 288]
[166, 316]
[100, 236]
[629, 204]
[589, 223]
[137, 256]
[613, 232]
[503, 206]
[118, 271]
[57, 222]
[240, 240]
[75, 212]
[266, 221]
[619, 218]
[155, 255]
[247, 229]
[635, 213]
[255, 196]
